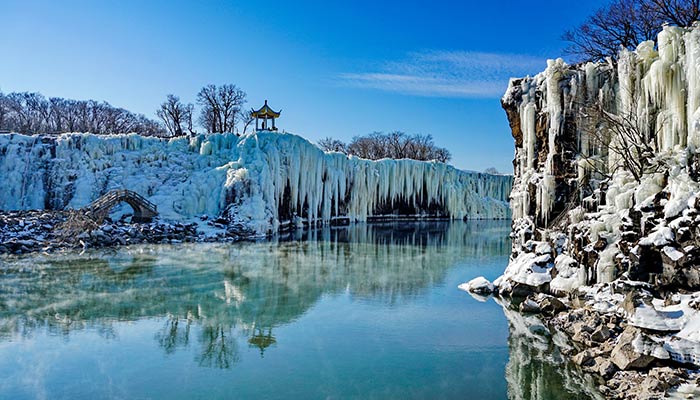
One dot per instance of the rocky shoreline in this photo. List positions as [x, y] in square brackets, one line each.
[28, 231]
[48, 231]
[627, 361]
[598, 328]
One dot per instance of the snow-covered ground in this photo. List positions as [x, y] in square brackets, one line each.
[257, 180]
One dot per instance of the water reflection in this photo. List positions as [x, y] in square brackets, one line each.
[536, 369]
[217, 298]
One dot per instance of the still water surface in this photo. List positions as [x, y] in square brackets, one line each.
[366, 311]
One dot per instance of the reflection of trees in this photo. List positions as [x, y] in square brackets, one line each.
[217, 293]
[219, 347]
[381, 262]
[537, 370]
[175, 334]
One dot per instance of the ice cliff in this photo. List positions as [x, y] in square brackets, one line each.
[565, 170]
[258, 181]
[586, 213]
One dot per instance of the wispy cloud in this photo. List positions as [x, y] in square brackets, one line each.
[447, 74]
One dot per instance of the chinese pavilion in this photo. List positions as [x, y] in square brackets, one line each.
[265, 113]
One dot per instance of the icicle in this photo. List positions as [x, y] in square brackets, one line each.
[692, 66]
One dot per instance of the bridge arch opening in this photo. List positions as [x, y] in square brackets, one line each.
[143, 210]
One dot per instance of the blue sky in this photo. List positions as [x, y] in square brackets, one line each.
[334, 68]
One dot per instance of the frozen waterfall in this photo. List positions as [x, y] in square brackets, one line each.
[259, 180]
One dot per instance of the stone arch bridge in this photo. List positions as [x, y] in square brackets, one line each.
[144, 210]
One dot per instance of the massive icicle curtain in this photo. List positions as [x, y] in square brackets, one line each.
[266, 175]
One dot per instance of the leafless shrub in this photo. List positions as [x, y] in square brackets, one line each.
[75, 224]
[627, 138]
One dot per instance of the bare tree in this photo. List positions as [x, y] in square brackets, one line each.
[330, 144]
[620, 141]
[625, 24]
[4, 110]
[399, 145]
[176, 116]
[676, 12]
[621, 24]
[58, 117]
[148, 127]
[442, 155]
[221, 107]
[32, 113]
[371, 147]
[28, 112]
[396, 145]
[246, 120]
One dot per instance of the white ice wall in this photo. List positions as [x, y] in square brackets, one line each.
[188, 177]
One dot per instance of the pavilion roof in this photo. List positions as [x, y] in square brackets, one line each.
[265, 111]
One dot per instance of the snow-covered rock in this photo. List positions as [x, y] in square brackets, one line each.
[529, 269]
[569, 275]
[628, 352]
[478, 285]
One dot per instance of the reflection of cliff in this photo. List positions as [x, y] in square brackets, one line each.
[536, 369]
[216, 292]
[382, 262]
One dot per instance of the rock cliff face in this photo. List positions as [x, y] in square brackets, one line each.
[585, 187]
[606, 211]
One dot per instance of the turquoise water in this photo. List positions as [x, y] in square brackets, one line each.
[366, 311]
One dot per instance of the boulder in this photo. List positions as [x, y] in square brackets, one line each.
[551, 305]
[585, 358]
[606, 368]
[478, 285]
[530, 306]
[601, 334]
[636, 298]
[625, 356]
